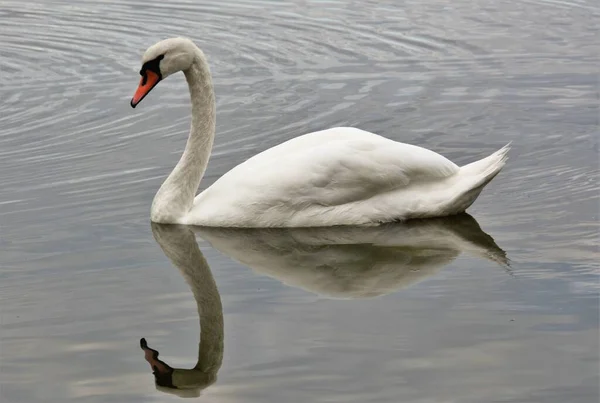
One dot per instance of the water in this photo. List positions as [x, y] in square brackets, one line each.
[425, 312]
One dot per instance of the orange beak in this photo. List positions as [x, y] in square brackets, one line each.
[147, 82]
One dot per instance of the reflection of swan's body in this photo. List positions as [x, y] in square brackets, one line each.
[353, 262]
[179, 244]
[339, 176]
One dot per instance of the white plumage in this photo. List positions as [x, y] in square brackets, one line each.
[340, 176]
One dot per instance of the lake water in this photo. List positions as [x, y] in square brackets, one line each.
[423, 312]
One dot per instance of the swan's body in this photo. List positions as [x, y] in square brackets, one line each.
[339, 176]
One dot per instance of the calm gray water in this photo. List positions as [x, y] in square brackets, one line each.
[423, 312]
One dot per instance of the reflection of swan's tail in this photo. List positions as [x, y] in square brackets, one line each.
[472, 239]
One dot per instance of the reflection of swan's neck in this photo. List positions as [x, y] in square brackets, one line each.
[176, 195]
[179, 245]
[210, 311]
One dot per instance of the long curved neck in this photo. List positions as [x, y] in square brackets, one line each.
[176, 195]
[210, 310]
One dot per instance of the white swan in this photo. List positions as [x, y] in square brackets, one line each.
[338, 176]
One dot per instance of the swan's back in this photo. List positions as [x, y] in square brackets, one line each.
[337, 141]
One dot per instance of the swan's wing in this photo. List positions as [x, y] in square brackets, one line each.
[339, 166]
[329, 168]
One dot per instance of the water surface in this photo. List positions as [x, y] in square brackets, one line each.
[424, 312]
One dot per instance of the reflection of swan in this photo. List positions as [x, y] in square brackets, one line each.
[353, 262]
[179, 244]
[349, 262]
[339, 176]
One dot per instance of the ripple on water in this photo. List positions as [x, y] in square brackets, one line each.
[68, 71]
[280, 70]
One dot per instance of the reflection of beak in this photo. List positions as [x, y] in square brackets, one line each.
[147, 82]
[162, 371]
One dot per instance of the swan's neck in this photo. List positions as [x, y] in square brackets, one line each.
[175, 197]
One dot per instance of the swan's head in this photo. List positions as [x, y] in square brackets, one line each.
[160, 61]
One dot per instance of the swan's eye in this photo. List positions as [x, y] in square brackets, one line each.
[152, 65]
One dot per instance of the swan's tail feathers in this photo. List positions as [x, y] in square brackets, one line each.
[487, 167]
[475, 176]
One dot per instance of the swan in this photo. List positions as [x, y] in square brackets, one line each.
[179, 245]
[337, 176]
